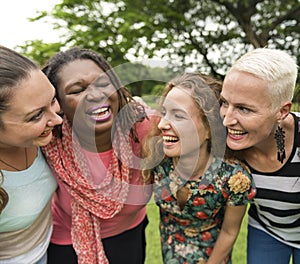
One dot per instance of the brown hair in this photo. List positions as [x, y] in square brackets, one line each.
[205, 90]
[13, 69]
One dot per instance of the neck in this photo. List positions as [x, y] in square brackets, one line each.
[191, 168]
[96, 143]
[14, 159]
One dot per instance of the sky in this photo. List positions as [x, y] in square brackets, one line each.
[15, 29]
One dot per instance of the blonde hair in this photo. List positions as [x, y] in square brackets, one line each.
[276, 67]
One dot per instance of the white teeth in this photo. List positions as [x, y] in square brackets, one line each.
[100, 111]
[236, 132]
[46, 132]
[170, 139]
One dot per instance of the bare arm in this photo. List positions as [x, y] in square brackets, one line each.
[230, 229]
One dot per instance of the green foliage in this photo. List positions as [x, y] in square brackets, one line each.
[203, 35]
[141, 79]
[39, 51]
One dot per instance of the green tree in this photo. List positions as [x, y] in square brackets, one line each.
[141, 79]
[205, 35]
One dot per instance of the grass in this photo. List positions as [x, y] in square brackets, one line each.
[153, 252]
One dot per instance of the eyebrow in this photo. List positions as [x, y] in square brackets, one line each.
[27, 115]
[36, 110]
[173, 110]
[246, 105]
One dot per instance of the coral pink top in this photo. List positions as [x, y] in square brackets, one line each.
[131, 215]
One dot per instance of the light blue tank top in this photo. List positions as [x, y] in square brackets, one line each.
[29, 191]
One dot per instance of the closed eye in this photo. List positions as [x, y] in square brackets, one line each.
[37, 116]
[244, 109]
[178, 116]
[76, 89]
[223, 102]
[163, 112]
[54, 100]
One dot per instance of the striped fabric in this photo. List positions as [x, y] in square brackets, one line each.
[276, 207]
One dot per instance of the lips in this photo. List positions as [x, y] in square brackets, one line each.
[236, 134]
[170, 139]
[100, 114]
[46, 133]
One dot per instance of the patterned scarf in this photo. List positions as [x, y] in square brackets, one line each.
[90, 202]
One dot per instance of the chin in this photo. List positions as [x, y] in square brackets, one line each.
[42, 144]
[235, 146]
[171, 154]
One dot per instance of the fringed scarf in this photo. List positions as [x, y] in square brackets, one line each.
[90, 202]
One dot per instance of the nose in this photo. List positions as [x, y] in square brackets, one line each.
[94, 93]
[228, 116]
[54, 118]
[164, 124]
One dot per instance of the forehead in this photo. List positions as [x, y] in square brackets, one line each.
[30, 94]
[81, 69]
[178, 97]
[242, 87]
[80, 65]
[244, 81]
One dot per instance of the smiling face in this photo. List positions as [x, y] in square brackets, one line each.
[246, 109]
[183, 131]
[87, 97]
[31, 115]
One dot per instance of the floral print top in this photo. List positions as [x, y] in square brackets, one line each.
[190, 230]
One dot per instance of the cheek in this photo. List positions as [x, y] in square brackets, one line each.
[189, 135]
[70, 107]
[258, 125]
[34, 131]
[115, 102]
[264, 129]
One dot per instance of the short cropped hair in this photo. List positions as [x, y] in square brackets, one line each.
[276, 67]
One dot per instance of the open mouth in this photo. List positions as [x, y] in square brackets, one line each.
[46, 133]
[170, 139]
[100, 114]
[236, 132]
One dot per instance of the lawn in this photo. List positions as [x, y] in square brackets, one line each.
[153, 255]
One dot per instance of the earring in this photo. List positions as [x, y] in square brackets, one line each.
[279, 137]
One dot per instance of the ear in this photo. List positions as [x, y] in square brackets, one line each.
[285, 110]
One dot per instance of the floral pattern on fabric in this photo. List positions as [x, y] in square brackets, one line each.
[188, 233]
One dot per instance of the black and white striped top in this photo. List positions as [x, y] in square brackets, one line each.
[276, 207]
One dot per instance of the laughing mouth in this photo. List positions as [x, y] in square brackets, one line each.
[45, 133]
[236, 132]
[170, 139]
[100, 113]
